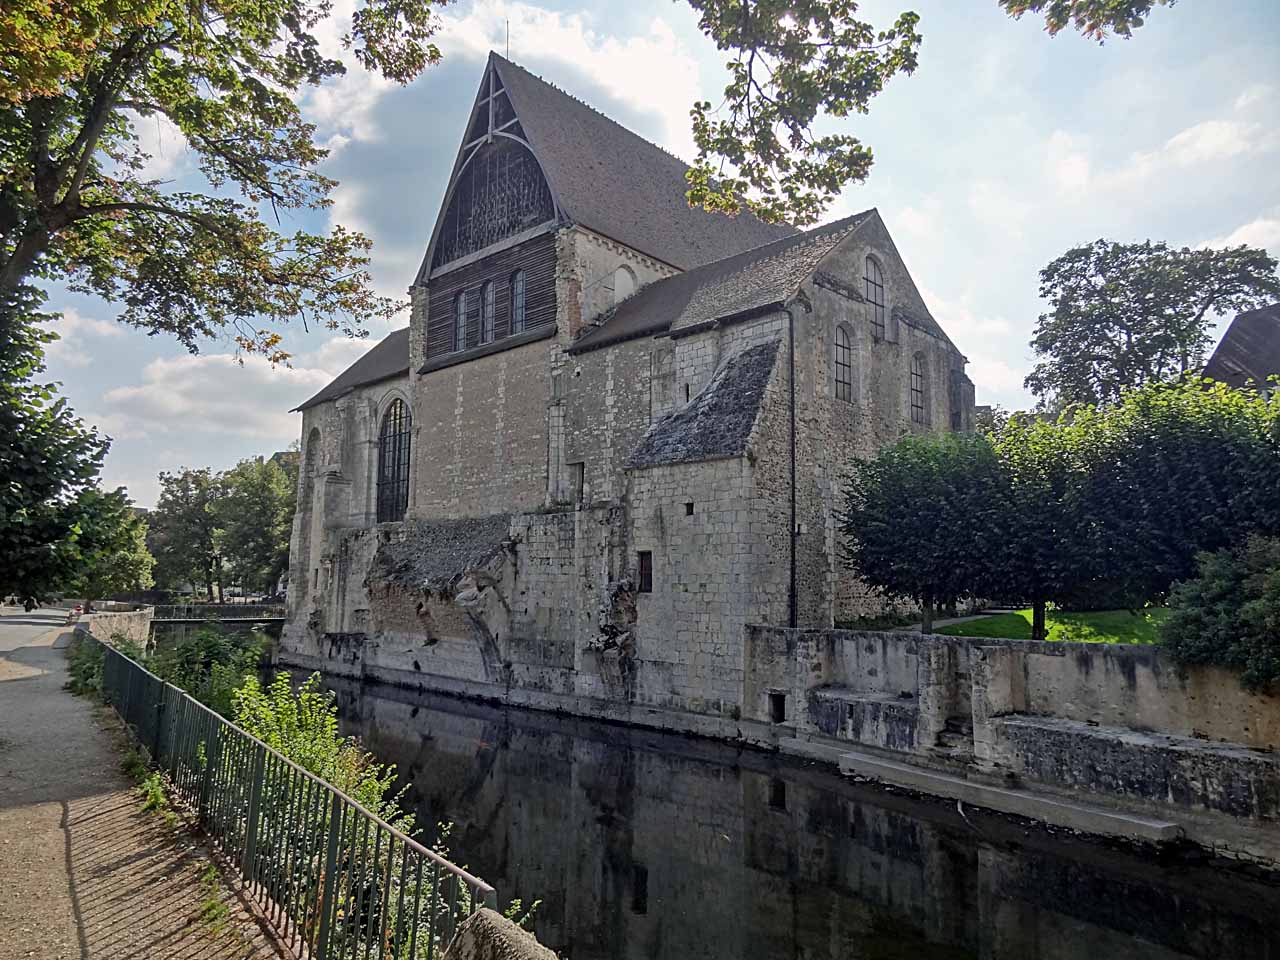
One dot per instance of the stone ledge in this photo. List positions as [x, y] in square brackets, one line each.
[1076, 816]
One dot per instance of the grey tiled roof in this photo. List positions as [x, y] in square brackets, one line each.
[616, 183]
[717, 422]
[1250, 349]
[389, 358]
[766, 275]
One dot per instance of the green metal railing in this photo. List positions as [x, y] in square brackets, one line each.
[330, 875]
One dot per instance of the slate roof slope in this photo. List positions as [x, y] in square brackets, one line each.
[1249, 350]
[616, 183]
[389, 358]
[755, 279]
[717, 422]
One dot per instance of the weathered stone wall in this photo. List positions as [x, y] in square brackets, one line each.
[1124, 722]
[481, 435]
[134, 626]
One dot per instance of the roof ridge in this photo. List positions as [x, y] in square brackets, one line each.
[753, 254]
[578, 100]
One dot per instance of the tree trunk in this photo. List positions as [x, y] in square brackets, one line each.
[1037, 619]
[218, 568]
[926, 616]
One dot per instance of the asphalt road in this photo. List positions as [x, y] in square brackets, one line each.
[17, 628]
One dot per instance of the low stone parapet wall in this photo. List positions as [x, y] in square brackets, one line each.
[1113, 722]
[134, 625]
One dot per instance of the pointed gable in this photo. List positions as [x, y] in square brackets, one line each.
[618, 184]
[533, 156]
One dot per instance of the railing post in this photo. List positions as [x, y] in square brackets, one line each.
[255, 814]
[330, 879]
[206, 783]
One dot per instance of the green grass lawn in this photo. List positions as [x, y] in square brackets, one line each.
[1100, 626]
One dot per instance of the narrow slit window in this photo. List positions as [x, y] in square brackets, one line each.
[639, 890]
[917, 389]
[645, 563]
[777, 793]
[486, 312]
[844, 366]
[873, 284]
[517, 301]
[460, 321]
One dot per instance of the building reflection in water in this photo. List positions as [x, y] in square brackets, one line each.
[648, 845]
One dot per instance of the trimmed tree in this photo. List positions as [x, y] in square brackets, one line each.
[922, 517]
[1170, 471]
[1040, 557]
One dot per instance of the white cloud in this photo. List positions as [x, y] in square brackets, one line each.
[959, 319]
[218, 395]
[1068, 162]
[1262, 232]
[74, 329]
[1258, 93]
[166, 147]
[651, 70]
[998, 206]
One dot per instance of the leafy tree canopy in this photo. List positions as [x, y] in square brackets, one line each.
[49, 464]
[1229, 613]
[113, 555]
[184, 529]
[1093, 18]
[255, 515]
[79, 76]
[1125, 315]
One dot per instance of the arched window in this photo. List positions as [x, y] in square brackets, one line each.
[517, 302]
[486, 312]
[393, 462]
[460, 321]
[917, 389]
[873, 284]
[624, 284]
[844, 366]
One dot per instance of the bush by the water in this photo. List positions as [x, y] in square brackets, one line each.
[1230, 614]
[84, 661]
[302, 724]
[210, 664]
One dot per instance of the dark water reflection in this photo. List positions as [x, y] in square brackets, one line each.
[644, 845]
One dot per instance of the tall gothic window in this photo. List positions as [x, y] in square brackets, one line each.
[486, 312]
[460, 321]
[873, 283]
[844, 366]
[393, 463]
[917, 388]
[517, 302]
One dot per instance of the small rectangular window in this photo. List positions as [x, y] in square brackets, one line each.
[577, 481]
[639, 889]
[645, 558]
[777, 793]
[688, 509]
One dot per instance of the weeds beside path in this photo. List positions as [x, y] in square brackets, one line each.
[85, 871]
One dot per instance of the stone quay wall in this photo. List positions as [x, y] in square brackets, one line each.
[1116, 722]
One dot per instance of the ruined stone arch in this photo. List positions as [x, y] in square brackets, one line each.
[624, 283]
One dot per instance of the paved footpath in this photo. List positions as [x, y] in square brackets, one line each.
[84, 872]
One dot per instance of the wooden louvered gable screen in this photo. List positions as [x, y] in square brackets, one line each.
[536, 257]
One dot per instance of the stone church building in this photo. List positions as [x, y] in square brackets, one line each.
[612, 436]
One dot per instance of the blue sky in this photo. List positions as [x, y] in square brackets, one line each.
[1004, 149]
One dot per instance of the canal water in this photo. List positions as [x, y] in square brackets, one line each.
[649, 845]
